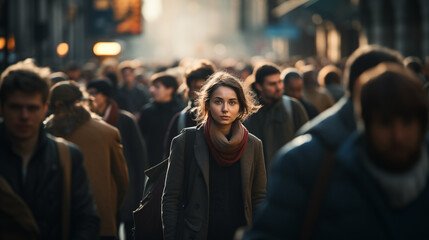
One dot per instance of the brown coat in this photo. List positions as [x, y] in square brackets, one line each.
[196, 213]
[104, 161]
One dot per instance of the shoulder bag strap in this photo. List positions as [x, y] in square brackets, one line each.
[65, 161]
[181, 121]
[188, 157]
[317, 194]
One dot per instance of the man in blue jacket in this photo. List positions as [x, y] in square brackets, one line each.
[295, 168]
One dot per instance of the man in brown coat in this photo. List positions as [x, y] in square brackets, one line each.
[101, 147]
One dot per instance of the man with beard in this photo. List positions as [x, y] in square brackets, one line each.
[280, 117]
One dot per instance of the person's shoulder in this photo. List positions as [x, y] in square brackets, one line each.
[252, 139]
[148, 108]
[73, 148]
[333, 125]
[302, 152]
[181, 137]
[126, 117]
[103, 127]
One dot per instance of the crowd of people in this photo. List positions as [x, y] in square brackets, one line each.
[259, 150]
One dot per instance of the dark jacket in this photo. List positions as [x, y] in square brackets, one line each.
[136, 156]
[173, 128]
[310, 109]
[153, 123]
[294, 172]
[274, 126]
[354, 205]
[196, 213]
[136, 97]
[42, 187]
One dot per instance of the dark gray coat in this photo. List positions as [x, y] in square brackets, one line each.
[196, 212]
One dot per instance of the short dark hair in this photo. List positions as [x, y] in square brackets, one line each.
[202, 69]
[263, 71]
[289, 74]
[169, 81]
[328, 75]
[26, 77]
[365, 58]
[102, 85]
[392, 90]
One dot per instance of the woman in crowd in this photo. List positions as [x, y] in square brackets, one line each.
[225, 173]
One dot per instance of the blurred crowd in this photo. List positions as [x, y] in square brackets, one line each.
[343, 146]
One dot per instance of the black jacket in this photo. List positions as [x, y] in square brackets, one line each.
[41, 189]
[153, 123]
[134, 148]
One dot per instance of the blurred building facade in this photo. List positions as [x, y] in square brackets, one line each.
[174, 29]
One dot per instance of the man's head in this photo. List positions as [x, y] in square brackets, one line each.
[64, 95]
[365, 58]
[293, 83]
[101, 90]
[309, 75]
[126, 70]
[24, 91]
[267, 83]
[394, 110]
[73, 71]
[163, 87]
[329, 75]
[197, 74]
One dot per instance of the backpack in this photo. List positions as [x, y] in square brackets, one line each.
[147, 217]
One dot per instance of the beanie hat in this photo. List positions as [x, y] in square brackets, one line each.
[101, 85]
[66, 92]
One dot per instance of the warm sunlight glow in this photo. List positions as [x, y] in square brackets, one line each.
[62, 49]
[107, 48]
[2, 43]
[152, 9]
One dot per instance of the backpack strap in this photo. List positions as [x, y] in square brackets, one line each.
[317, 194]
[65, 161]
[181, 122]
[287, 103]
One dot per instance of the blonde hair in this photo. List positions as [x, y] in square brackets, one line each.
[245, 96]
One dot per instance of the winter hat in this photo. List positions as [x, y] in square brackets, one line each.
[101, 85]
[66, 92]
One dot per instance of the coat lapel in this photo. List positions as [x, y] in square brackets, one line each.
[202, 155]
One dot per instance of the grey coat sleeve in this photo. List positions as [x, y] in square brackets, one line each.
[173, 188]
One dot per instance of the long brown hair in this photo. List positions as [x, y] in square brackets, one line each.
[245, 97]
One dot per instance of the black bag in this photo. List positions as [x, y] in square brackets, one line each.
[147, 217]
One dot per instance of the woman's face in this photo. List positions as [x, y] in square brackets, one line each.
[224, 106]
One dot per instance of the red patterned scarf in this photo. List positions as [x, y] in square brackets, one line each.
[226, 152]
